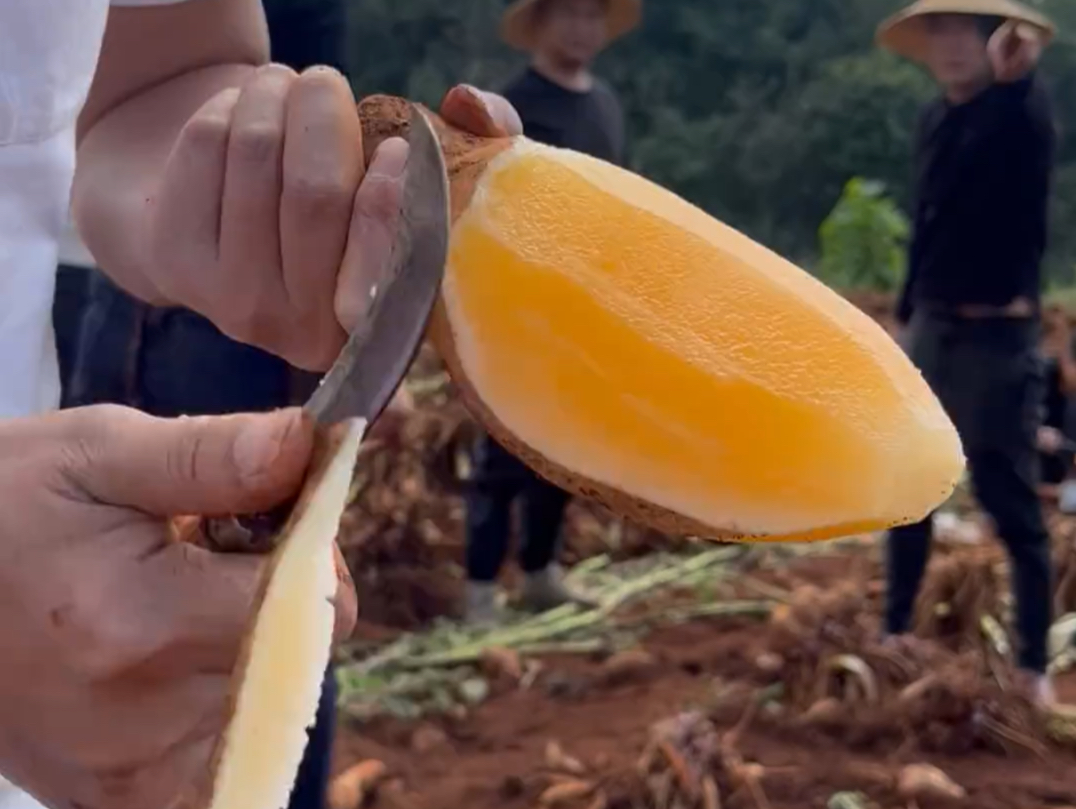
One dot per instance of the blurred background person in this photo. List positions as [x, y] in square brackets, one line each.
[562, 103]
[984, 159]
[1055, 437]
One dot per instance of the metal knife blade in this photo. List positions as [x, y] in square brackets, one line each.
[379, 351]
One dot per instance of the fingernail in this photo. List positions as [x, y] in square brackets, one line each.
[479, 96]
[259, 442]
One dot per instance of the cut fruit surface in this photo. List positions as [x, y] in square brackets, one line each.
[280, 676]
[633, 348]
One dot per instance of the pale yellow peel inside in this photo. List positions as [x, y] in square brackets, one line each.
[289, 651]
[628, 336]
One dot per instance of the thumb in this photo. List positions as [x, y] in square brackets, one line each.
[209, 465]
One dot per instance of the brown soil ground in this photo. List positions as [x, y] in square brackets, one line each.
[496, 756]
[403, 541]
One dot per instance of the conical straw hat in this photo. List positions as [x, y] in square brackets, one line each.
[905, 33]
[518, 23]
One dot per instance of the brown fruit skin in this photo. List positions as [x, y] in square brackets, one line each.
[466, 158]
[466, 155]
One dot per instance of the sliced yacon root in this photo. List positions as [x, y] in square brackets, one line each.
[1061, 725]
[557, 759]
[920, 688]
[638, 352]
[824, 712]
[278, 679]
[711, 795]
[566, 792]
[925, 781]
[857, 671]
[498, 661]
[351, 788]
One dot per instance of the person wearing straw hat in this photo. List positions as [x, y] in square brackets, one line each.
[971, 301]
[561, 103]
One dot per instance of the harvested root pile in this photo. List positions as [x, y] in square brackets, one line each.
[1063, 529]
[401, 535]
[906, 694]
[960, 599]
[692, 762]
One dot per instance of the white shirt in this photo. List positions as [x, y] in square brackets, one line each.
[48, 50]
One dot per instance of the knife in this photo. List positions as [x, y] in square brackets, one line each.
[381, 348]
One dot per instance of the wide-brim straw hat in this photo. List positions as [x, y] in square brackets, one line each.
[518, 24]
[905, 33]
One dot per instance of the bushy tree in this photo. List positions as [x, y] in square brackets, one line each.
[863, 239]
[759, 111]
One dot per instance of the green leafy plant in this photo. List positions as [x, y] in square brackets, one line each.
[863, 240]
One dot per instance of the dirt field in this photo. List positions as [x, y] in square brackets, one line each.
[795, 705]
[496, 755]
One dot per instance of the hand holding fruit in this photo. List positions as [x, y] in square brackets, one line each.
[268, 222]
[128, 636]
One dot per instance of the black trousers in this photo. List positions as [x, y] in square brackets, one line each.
[987, 374]
[171, 362]
[68, 308]
[499, 478]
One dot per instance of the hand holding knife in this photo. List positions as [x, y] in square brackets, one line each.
[378, 353]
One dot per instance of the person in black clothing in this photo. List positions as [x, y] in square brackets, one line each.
[1055, 437]
[561, 104]
[984, 157]
[170, 362]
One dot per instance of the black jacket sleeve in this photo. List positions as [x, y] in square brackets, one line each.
[905, 301]
[304, 33]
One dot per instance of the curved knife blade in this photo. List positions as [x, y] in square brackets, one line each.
[379, 351]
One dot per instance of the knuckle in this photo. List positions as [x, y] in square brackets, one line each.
[319, 195]
[379, 198]
[314, 355]
[258, 326]
[257, 142]
[207, 132]
[90, 430]
[85, 436]
[183, 456]
[96, 423]
[321, 342]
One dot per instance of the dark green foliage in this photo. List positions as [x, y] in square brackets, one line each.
[760, 111]
[863, 240]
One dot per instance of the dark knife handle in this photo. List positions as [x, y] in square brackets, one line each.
[261, 533]
[246, 533]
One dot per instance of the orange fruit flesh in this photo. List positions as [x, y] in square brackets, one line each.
[629, 337]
